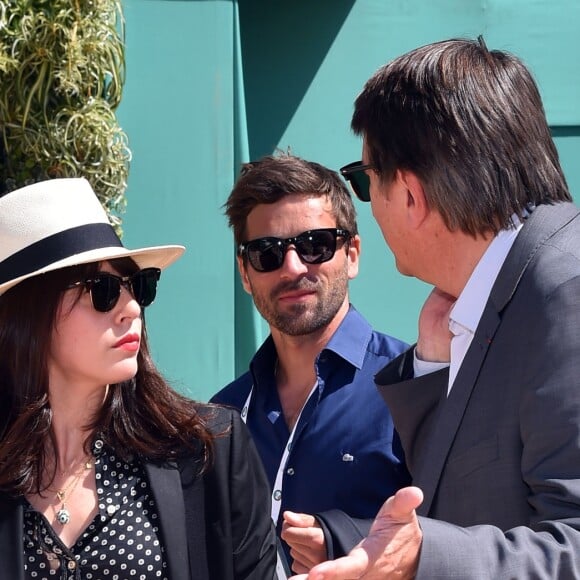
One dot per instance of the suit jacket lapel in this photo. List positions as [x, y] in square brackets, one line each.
[165, 484]
[542, 223]
[166, 488]
[11, 548]
[452, 408]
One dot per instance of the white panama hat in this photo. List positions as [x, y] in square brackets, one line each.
[59, 223]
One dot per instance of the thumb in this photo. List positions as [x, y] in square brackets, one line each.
[401, 507]
[298, 520]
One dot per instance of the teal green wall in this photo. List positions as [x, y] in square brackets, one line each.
[212, 83]
[177, 110]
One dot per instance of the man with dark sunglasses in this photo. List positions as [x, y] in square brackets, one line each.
[309, 397]
[465, 183]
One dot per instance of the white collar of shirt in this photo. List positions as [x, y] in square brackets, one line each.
[466, 313]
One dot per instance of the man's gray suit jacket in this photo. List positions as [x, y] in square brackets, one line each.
[498, 459]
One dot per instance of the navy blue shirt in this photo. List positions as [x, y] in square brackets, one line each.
[345, 454]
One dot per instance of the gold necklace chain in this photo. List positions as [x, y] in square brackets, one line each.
[63, 514]
[83, 464]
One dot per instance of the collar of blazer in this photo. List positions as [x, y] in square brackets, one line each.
[165, 482]
[543, 222]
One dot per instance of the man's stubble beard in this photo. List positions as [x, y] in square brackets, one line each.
[304, 319]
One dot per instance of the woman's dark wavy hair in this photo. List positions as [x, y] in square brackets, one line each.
[143, 416]
[470, 123]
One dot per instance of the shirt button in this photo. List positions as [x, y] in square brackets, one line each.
[290, 471]
[277, 495]
[71, 565]
[111, 509]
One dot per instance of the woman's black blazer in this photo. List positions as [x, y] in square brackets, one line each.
[216, 526]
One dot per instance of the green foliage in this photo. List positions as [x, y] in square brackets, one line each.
[62, 70]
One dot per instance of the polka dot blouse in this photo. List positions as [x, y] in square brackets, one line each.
[121, 543]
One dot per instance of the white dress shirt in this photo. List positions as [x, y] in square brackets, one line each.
[468, 308]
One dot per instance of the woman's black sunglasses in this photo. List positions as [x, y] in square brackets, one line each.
[105, 288]
[355, 174]
[313, 247]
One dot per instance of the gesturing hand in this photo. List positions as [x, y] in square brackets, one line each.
[391, 548]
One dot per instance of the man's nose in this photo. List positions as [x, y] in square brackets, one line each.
[292, 263]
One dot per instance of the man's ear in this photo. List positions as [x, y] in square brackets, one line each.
[417, 206]
[244, 275]
[353, 256]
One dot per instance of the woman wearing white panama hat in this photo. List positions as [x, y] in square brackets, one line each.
[105, 471]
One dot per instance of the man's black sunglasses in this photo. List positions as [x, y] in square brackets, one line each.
[355, 174]
[105, 288]
[313, 247]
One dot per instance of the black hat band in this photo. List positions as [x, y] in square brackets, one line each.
[58, 247]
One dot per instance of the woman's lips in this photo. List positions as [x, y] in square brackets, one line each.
[128, 342]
